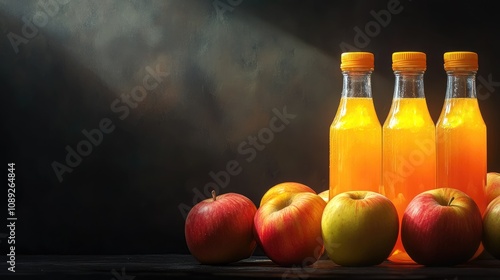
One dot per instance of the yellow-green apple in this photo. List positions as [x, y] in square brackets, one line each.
[441, 227]
[325, 195]
[491, 228]
[288, 228]
[292, 187]
[359, 228]
[492, 188]
[219, 230]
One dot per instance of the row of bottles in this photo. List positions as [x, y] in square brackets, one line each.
[408, 154]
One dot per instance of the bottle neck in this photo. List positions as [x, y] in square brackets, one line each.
[461, 84]
[357, 84]
[409, 84]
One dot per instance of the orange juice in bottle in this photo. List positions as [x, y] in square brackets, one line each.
[409, 147]
[461, 132]
[355, 133]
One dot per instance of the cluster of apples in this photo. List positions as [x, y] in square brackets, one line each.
[294, 225]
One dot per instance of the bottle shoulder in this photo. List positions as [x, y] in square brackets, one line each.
[355, 112]
[458, 112]
[409, 113]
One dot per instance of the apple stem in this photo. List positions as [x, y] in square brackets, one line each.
[213, 195]
[452, 198]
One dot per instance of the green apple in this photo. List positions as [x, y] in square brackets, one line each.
[491, 228]
[325, 195]
[359, 228]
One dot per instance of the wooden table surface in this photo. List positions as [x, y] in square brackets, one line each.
[137, 267]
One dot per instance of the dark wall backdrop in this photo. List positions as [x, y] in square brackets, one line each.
[120, 115]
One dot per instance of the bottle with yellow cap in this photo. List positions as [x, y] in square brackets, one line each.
[409, 146]
[461, 131]
[356, 132]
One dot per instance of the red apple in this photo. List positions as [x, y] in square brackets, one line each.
[441, 226]
[288, 228]
[280, 188]
[219, 230]
[491, 228]
[359, 228]
[492, 188]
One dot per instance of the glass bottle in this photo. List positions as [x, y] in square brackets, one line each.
[355, 133]
[409, 147]
[461, 132]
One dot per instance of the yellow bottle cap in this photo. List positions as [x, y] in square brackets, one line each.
[460, 61]
[357, 61]
[409, 61]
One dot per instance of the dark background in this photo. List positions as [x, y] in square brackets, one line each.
[227, 71]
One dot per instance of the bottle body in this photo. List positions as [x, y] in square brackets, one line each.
[461, 148]
[355, 139]
[461, 132]
[409, 141]
[355, 147]
[409, 158]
